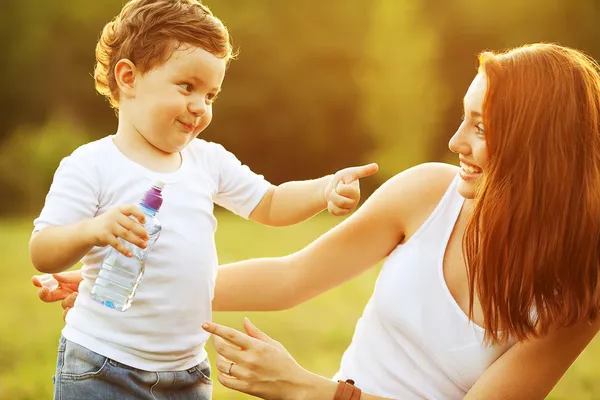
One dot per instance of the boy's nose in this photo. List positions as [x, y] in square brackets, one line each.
[198, 108]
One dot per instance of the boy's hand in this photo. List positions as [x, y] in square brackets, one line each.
[68, 286]
[343, 191]
[106, 229]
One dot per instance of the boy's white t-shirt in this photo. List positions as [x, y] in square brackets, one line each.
[161, 331]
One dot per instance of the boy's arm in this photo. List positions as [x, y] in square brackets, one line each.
[60, 238]
[57, 248]
[68, 227]
[294, 202]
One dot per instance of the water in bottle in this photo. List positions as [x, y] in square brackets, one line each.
[119, 275]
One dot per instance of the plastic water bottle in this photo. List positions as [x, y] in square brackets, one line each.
[119, 275]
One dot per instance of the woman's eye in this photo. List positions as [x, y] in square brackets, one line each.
[480, 130]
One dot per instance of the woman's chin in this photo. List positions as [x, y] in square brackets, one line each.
[466, 189]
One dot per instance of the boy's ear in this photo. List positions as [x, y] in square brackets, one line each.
[125, 75]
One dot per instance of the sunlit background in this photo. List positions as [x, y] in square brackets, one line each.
[319, 85]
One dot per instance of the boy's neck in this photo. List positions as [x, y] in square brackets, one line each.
[135, 147]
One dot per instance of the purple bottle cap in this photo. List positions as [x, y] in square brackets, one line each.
[153, 197]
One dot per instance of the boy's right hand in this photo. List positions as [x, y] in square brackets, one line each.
[106, 229]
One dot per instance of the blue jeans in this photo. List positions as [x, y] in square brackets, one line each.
[83, 374]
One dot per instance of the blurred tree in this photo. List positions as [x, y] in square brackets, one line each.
[28, 161]
[402, 97]
[466, 27]
[49, 47]
[291, 106]
[318, 85]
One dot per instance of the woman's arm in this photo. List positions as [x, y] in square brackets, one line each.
[347, 250]
[262, 367]
[530, 369]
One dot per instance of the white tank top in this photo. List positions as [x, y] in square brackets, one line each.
[413, 340]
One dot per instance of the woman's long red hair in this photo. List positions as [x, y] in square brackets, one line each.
[533, 242]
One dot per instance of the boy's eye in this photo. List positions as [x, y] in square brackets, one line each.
[211, 97]
[186, 86]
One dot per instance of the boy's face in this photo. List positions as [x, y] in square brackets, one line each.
[172, 103]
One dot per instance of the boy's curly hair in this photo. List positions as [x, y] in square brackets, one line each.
[148, 31]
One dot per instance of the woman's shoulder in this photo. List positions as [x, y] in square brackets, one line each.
[422, 183]
[411, 196]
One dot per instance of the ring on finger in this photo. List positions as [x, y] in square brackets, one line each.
[229, 369]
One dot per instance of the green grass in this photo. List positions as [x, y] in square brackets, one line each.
[316, 333]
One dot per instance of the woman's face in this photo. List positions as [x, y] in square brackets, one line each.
[469, 140]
